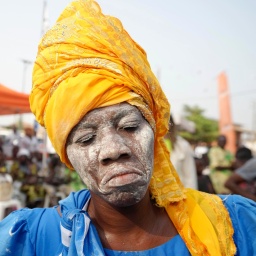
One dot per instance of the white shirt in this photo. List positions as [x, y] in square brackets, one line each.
[182, 158]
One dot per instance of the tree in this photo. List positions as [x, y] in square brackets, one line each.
[206, 130]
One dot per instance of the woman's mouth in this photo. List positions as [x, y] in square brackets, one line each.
[124, 179]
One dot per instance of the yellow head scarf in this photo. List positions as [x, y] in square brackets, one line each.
[86, 61]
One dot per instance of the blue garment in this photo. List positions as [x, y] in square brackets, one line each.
[175, 246]
[37, 232]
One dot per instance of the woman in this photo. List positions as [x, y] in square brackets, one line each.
[106, 116]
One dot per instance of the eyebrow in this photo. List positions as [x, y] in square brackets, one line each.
[85, 125]
[119, 115]
[124, 112]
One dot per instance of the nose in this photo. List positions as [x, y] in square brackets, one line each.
[113, 147]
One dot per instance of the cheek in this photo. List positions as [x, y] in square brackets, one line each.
[74, 154]
[83, 162]
[145, 151]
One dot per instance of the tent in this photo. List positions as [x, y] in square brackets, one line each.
[13, 102]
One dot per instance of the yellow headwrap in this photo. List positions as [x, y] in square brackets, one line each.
[86, 61]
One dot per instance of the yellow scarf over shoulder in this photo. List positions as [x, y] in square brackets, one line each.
[87, 60]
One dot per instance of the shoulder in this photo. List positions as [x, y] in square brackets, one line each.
[182, 146]
[236, 203]
[242, 212]
[22, 220]
[24, 226]
[21, 216]
[249, 165]
[248, 170]
[182, 141]
[214, 150]
[15, 228]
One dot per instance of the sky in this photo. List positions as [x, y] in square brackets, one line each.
[188, 44]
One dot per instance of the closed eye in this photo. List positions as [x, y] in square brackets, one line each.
[86, 139]
[130, 127]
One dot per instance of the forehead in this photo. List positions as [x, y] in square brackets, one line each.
[104, 116]
[110, 112]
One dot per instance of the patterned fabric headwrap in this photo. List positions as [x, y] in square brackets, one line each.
[87, 60]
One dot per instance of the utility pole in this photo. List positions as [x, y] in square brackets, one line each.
[26, 63]
[25, 67]
[45, 27]
[45, 19]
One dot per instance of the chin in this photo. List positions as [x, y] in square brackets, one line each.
[125, 198]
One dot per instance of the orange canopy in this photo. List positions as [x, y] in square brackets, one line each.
[12, 102]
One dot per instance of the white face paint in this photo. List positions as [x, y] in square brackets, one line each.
[112, 149]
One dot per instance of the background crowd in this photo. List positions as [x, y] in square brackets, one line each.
[24, 176]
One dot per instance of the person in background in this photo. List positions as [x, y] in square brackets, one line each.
[14, 137]
[243, 179]
[60, 180]
[203, 180]
[29, 141]
[22, 167]
[24, 174]
[34, 190]
[182, 156]
[221, 165]
[3, 165]
[57, 181]
[201, 149]
[38, 157]
[106, 115]
[11, 141]
[6, 182]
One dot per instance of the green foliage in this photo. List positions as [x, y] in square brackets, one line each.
[206, 129]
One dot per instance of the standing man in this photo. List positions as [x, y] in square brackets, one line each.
[182, 156]
[221, 165]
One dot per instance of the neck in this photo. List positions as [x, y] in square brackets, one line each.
[109, 217]
[137, 227]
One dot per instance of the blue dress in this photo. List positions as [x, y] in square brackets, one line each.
[38, 232]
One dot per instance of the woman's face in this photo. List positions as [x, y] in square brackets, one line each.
[112, 149]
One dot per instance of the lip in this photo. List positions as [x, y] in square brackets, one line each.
[121, 174]
[125, 179]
